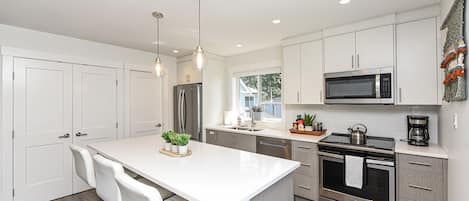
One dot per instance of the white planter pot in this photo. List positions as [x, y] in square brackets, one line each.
[308, 128]
[167, 146]
[183, 150]
[174, 148]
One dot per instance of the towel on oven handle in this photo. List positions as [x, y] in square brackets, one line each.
[354, 171]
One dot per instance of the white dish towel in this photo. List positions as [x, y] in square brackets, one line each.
[354, 171]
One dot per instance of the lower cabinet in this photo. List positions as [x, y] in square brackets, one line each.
[232, 140]
[306, 177]
[421, 178]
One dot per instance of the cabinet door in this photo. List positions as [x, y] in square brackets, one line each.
[245, 142]
[339, 53]
[375, 48]
[291, 74]
[226, 139]
[417, 78]
[42, 115]
[311, 73]
[211, 137]
[145, 104]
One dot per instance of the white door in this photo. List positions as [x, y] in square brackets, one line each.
[417, 67]
[43, 129]
[375, 48]
[291, 74]
[94, 109]
[311, 73]
[339, 53]
[145, 104]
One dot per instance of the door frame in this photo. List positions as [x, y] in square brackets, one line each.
[7, 56]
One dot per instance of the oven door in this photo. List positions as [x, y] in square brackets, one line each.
[378, 184]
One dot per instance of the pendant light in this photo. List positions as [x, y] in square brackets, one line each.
[199, 52]
[158, 67]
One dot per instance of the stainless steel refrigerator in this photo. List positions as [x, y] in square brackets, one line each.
[188, 110]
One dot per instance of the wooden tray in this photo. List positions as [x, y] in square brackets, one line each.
[175, 155]
[315, 133]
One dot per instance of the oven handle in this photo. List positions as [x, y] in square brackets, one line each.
[377, 162]
[331, 155]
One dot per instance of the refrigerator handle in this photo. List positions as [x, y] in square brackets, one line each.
[179, 111]
[184, 115]
[199, 125]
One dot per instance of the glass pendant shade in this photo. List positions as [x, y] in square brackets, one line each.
[158, 68]
[199, 58]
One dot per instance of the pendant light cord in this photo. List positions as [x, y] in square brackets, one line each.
[158, 37]
[199, 23]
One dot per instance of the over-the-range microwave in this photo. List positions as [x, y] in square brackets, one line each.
[367, 86]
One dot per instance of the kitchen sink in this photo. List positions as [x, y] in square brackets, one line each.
[246, 129]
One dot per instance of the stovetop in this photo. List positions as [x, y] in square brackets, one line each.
[373, 142]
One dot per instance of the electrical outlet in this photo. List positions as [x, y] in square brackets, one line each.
[455, 120]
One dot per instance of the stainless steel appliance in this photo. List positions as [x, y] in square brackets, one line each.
[358, 132]
[417, 128]
[379, 183]
[370, 86]
[280, 148]
[188, 110]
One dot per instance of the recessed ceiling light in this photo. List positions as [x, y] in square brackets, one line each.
[342, 2]
[239, 45]
[175, 51]
[276, 21]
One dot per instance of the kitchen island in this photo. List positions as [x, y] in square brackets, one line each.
[211, 173]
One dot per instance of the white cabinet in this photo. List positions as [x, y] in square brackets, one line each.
[291, 74]
[311, 73]
[417, 68]
[375, 48]
[339, 53]
[372, 48]
[303, 73]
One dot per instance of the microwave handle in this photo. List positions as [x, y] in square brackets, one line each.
[378, 85]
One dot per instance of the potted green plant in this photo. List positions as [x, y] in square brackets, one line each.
[182, 142]
[309, 120]
[173, 140]
[167, 140]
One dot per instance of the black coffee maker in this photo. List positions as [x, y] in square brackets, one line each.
[417, 128]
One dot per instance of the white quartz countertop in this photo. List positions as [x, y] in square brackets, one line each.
[275, 133]
[211, 173]
[433, 150]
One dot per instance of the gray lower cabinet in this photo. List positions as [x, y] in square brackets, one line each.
[421, 178]
[306, 177]
[232, 140]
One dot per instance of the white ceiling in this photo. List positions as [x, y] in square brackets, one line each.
[225, 23]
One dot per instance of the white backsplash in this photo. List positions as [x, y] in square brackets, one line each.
[381, 120]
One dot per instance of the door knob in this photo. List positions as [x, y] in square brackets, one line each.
[79, 134]
[64, 136]
[158, 125]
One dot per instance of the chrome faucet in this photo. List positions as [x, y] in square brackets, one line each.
[253, 123]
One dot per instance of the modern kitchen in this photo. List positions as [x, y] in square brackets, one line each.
[205, 100]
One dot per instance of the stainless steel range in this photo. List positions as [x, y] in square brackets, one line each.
[377, 180]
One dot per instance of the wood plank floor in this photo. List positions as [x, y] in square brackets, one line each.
[91, 196]
[83, 196]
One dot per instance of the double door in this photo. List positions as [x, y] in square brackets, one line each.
[55, 105]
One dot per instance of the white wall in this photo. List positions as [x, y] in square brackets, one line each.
[72, 48]
[456, 141]
[381, 120]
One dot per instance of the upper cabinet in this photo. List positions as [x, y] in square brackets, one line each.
[303, 73]
[375, 48]
[339, 53]
[417, 68]
[372, 48]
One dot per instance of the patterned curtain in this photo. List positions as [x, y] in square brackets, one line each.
[454, 51]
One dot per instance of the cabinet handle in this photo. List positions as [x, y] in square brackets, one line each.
[420, 187]
[79, 134]
[304, 187]
[400, 95]
[320, 96]
[419, 163]
[298, 97]
[211, 133]
[306, 165]
[353, 65]
[303, 147]
[64, 136]
[358, 60]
